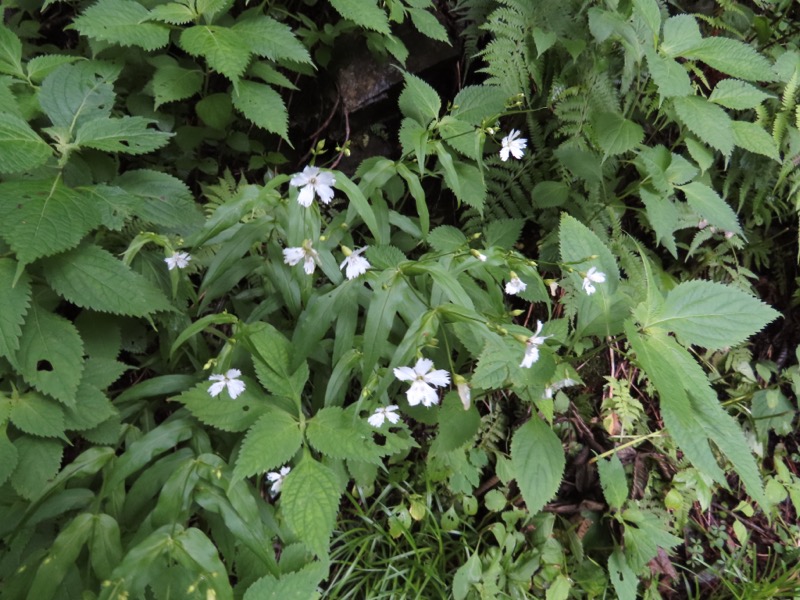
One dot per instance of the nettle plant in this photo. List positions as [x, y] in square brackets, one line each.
[310, 330]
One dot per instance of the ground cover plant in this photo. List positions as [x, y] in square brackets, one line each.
[516, 321]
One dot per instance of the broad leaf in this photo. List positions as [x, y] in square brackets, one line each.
[163, 199]
[738, 95]
[172, 82]
[616, 134]
[10, 53]
[537, 459]
[340, 434]
[37, 415]
[38, 461]
[90, 277]
[92, 407]
[8, 456]
[669, 75]
[129, 135]
[474, 103]
[681, 33]
[578, 244]
[74, 94]
[707, 121]
[298, 585]
[272, 360]
[456, 425]
[263, 106]
[419, 100]
[613, 481]
[427, 24]
[364, 13]
[270, 443]
[754, 138]
[222, 412]
[15, 300]
[273, 40]
[711, 207]
[122, 22]
[732, 57]
[40, 67]
[220, 46]
[21, 148]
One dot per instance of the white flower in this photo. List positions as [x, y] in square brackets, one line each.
[553, 285]
[229, 380]
[420, 391]
[387, 413]
[355, 263]
[313, 181]
[465, 394]
[515, 285]
[552, 389]
[532, 347]
[276, 478]
[512, 144]
[178, 260]
[309, 256]
[592, 276]
[479, 255]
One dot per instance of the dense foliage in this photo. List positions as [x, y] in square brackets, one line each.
[495, 342]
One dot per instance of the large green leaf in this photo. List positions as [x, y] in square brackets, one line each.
[263, 106]
[41, 218]
[74, 94]
[172, 82]
[163, 199]
[578, 244]
[128, 135]
[732, 57]
[681, 33]
[616, 134]
[270, 443]
[669, 75]
[198, 554]
[50, 355]
[340, 434]
[272, 360]
[738, 95]
[364, 13]
[707, 121]
[310, 501]
[754, 138]
[613, 481]
[711, 314]
[10, 53]
[8, 455]
[15, 300]
[37, 415]
[91, 277]
[297, 585]
[38, 462]
[711, 207]
[271, 39]
[537, 460]
[122, 22]
[21, 148]
[419, 100]
[223, 413]
[91, 408]
[220, 46]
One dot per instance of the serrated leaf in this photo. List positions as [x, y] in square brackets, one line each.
[171, 83]
[664, 218]
[712, 315]
[537, 459]
[91, 408]
[271, 359]
[74, 94]
[8, 456]
[754, 138]
[474, 103]
[623, 578]
[578, 243]
[38, 461]
[220, 46]
[613, 481]
[263, 106]
[669, 75]
[732, 57]
[650, 12]
[446, 239]
[616, 134]
[40, 67]
[90, 277]
[298, 585]
[711, 207]
[269, 443]
[44, 217]
[310, 501]
[222, 412]
[737, 95]
[644, 534]
[10, 53]
[681, 33]
[163, 199]
[503, 232]
[427, 24]
[114, 203]
[129, 135]
[101, 371]
[707, 121]
[340, 434]
[37, 415]
[21, 148]
[15, 300]
[456, 425]
[494, 366]
[419, 100]
[271, 39]
[122, 22]
[174, 13]
[364, 13]
[50, 355]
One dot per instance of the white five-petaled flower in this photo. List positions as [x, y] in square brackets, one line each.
[355, 263]
[309, 256]
[313, 181]
[532, 346]
[422, 376]
[178, 260]
[515, 285]
[558, 385]
[229, 380]
[385, 413]
[592, 276]
[276, 479]
[512, 144]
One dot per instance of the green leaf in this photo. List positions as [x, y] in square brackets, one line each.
[359, 202]
[171, 83]
[456, 425]
[38, 461]
[200, 556]
[50, 355]
[272, 358]
[650, 12]
[754, 138]
[9, 457]
[613, 481]
[733, 57]
[710, 206]
[380, 318]
[270, 39]
[495, 364]
[122, 22]
[74, 94]
[537, 460]
[503, 232]
[37, 415]
[623, 578]
[707, 121]
[163, 199]
[681, 33]
[578, 243]
[447, 238]
[90, 277]
[465, 180]
[222, 412]
[669, 75]
[427, 24]
[419, 100]
[21, 148]
[105, 546]
[174, 13]
[15, 300]
[41, 66]
[310, 501]
[263, 106]
[44, 217]
[270, 443]
[644, 534]
[220, 46]
[10, 53]
[364, 13]
[737, 95]
[340, 434]
[298, 585]
[712, 315]
[91, 408]
[664, 218]
[474, 103]
[128, 135]
[616, 134]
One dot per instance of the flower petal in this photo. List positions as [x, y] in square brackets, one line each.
[235, 388]
[439, 377]
[405, 373]
[216, 388]
[306, 195]
[423, 366]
